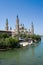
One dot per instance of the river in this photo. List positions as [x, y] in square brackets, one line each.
[29, 55]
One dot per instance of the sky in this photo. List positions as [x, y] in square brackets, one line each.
[28, 11]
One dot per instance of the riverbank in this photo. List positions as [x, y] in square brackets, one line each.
[7, 42]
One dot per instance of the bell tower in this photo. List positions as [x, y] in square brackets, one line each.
[32, 28]
[6, 25]
[17, 24]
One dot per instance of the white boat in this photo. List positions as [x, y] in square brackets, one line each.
[25, 43]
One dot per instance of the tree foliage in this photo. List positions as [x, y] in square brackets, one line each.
[4, 35]
[8, 42]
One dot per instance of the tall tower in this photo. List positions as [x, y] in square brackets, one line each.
[6, 25]
[10, 28]
[17, 26]
[32, 28]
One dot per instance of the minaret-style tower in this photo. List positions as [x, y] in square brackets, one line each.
[6, 25]
[17, 26]
[32, 28]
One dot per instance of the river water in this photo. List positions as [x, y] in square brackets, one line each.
[29, 55]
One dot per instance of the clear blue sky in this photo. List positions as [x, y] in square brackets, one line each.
[27, 10]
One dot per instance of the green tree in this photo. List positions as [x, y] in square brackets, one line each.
[4, 35]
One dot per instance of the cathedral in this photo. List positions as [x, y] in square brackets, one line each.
[19, 29]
